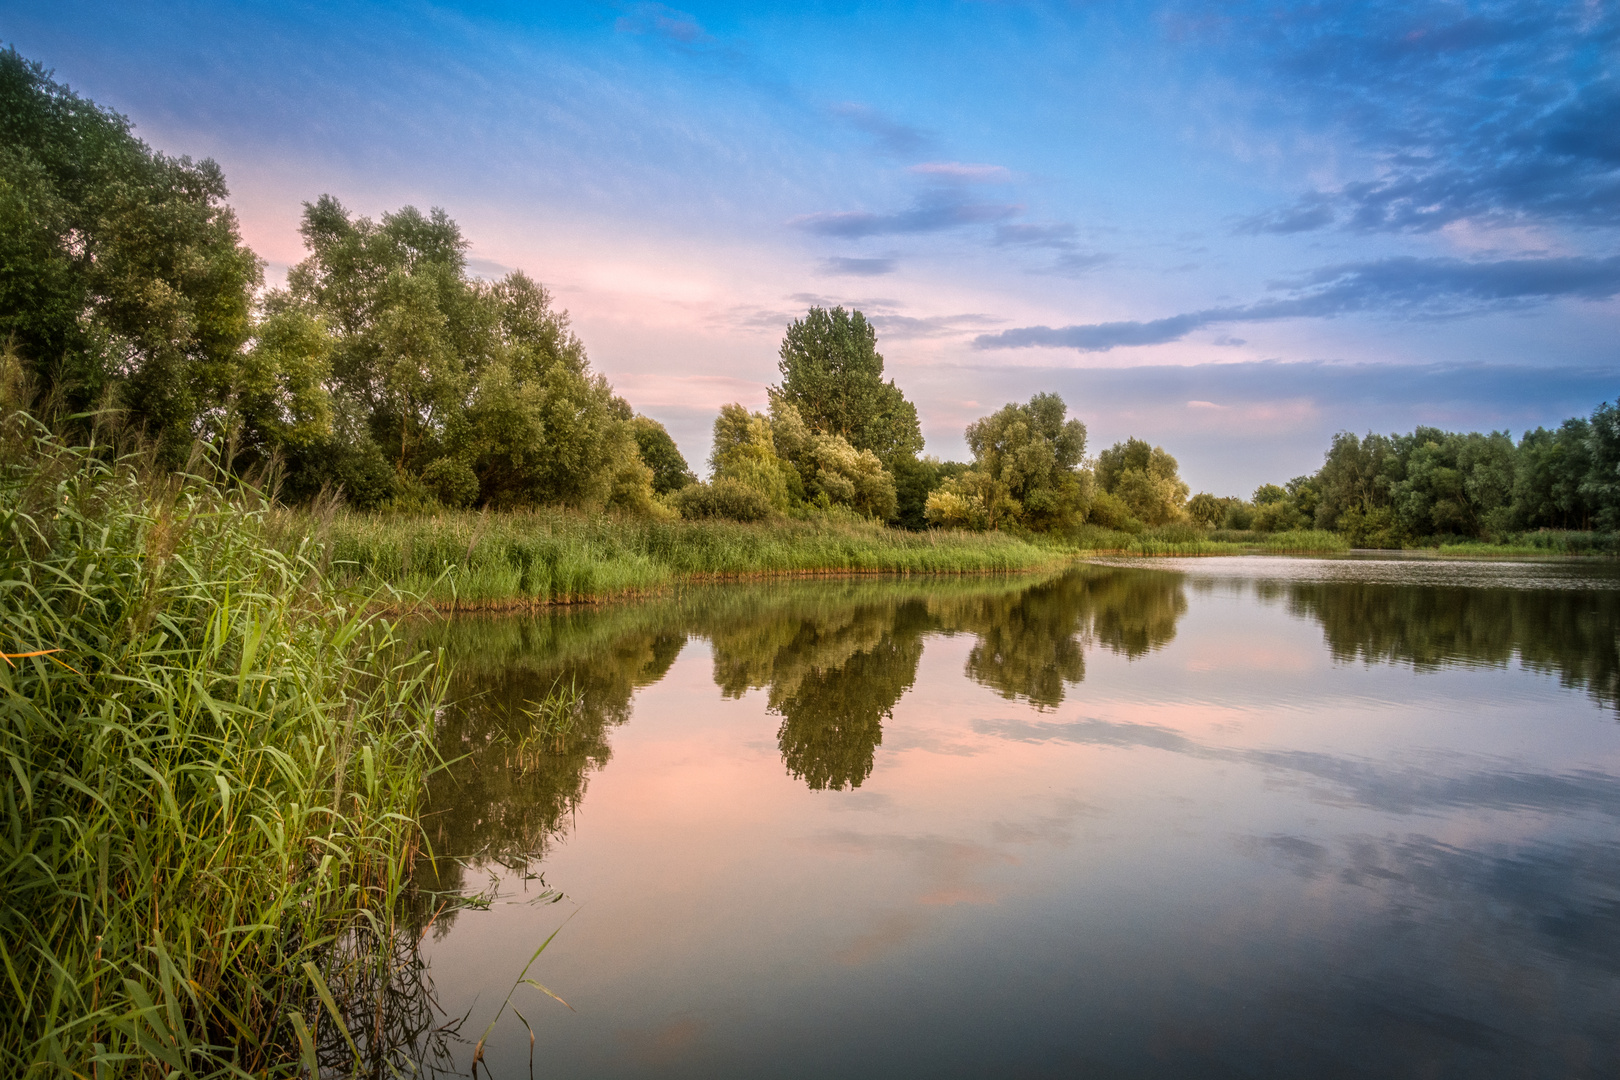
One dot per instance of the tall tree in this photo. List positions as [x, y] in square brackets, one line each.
[1026, 470]
[1145, 478]
[661, 455]
[120, 268]
[833, 374]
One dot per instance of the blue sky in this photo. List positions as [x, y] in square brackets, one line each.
[1231, 229]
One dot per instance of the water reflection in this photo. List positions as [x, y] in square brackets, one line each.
[834, 659]
[1244, 841]
[1561, 631]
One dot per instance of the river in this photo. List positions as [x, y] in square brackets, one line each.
[1250, 817]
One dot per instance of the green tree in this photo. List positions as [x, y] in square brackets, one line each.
[121, 269]
[826, 470]
[1145, 478]
[744, 451]
[1548, 474]
[1354, 488]
[1601, 486]
[661, 455]
[832, 374]
[1026, 470]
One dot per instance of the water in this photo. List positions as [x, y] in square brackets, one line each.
[1214, 817]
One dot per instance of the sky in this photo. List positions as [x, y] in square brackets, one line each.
[1231, 229]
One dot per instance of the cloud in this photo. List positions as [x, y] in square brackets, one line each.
[891, 136]
[1313, 211]
[956, 171]
[661, 21]
[1096, 337]
[1501, 116]
[1388, 787]
[1075, 263]
[1072, 260]
[924, 218]
[1056, 235]
[839, 265]
[931, 326]
[1406, 285]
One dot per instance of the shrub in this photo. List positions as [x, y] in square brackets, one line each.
[724, 498]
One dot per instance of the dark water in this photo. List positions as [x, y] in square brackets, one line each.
[1217, 817]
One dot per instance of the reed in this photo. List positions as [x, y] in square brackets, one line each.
[213, 761]
[1540, 542]
[477, 560]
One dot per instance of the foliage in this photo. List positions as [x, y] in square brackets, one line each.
[832, 374]
[121, 269]
[1026, 471]
[727, 498]
[428, 365]
[472, 560]
[213, 767]
[1146, 479]
[661, 455]
[1389, 490]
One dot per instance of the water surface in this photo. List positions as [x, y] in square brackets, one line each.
[1215, 817]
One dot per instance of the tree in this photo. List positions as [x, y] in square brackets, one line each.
[1206, 510]
[121, 269]
[661, 455]
[832, 374]
[826, 470]
[1601, 486]
[1026, 470]
[744, 450]
[1547, 477]
[1145, 478]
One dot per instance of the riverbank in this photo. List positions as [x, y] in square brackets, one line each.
[498, 561]
[473, 561]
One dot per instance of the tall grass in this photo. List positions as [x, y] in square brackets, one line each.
[473, 560]
[1541, 542]
[211, 772]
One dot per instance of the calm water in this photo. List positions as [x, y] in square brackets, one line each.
[1216, 817]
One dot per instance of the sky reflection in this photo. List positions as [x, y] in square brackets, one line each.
[1106, 821]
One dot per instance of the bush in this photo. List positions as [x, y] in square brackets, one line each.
[724, 498]
[452, 481]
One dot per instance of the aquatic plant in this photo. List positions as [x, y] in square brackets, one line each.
[212, 762]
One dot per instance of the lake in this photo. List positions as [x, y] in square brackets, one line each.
[1250, 816]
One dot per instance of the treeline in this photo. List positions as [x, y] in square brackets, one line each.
[1390, 490]
[382, 368]
[384, 371]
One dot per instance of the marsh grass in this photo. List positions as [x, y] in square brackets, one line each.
[551, 721]
[1542, 542]
[212, 763]
[492, 561]
[468, 561]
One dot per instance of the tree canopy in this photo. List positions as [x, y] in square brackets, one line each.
[832, 374]
[1026, 471]
[122, 271]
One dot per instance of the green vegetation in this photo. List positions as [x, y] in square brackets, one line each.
[544, 556]
[213, 768]
[384, 372]
[1553, 492]
[1026, 472]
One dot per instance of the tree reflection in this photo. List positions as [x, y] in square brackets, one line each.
[833, 674]
[834, 659]
[1032, 644]
[1566, 632]
[491, 803]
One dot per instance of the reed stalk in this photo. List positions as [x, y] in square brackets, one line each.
[212, 760]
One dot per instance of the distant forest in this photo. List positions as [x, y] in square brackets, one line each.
[384, 372]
